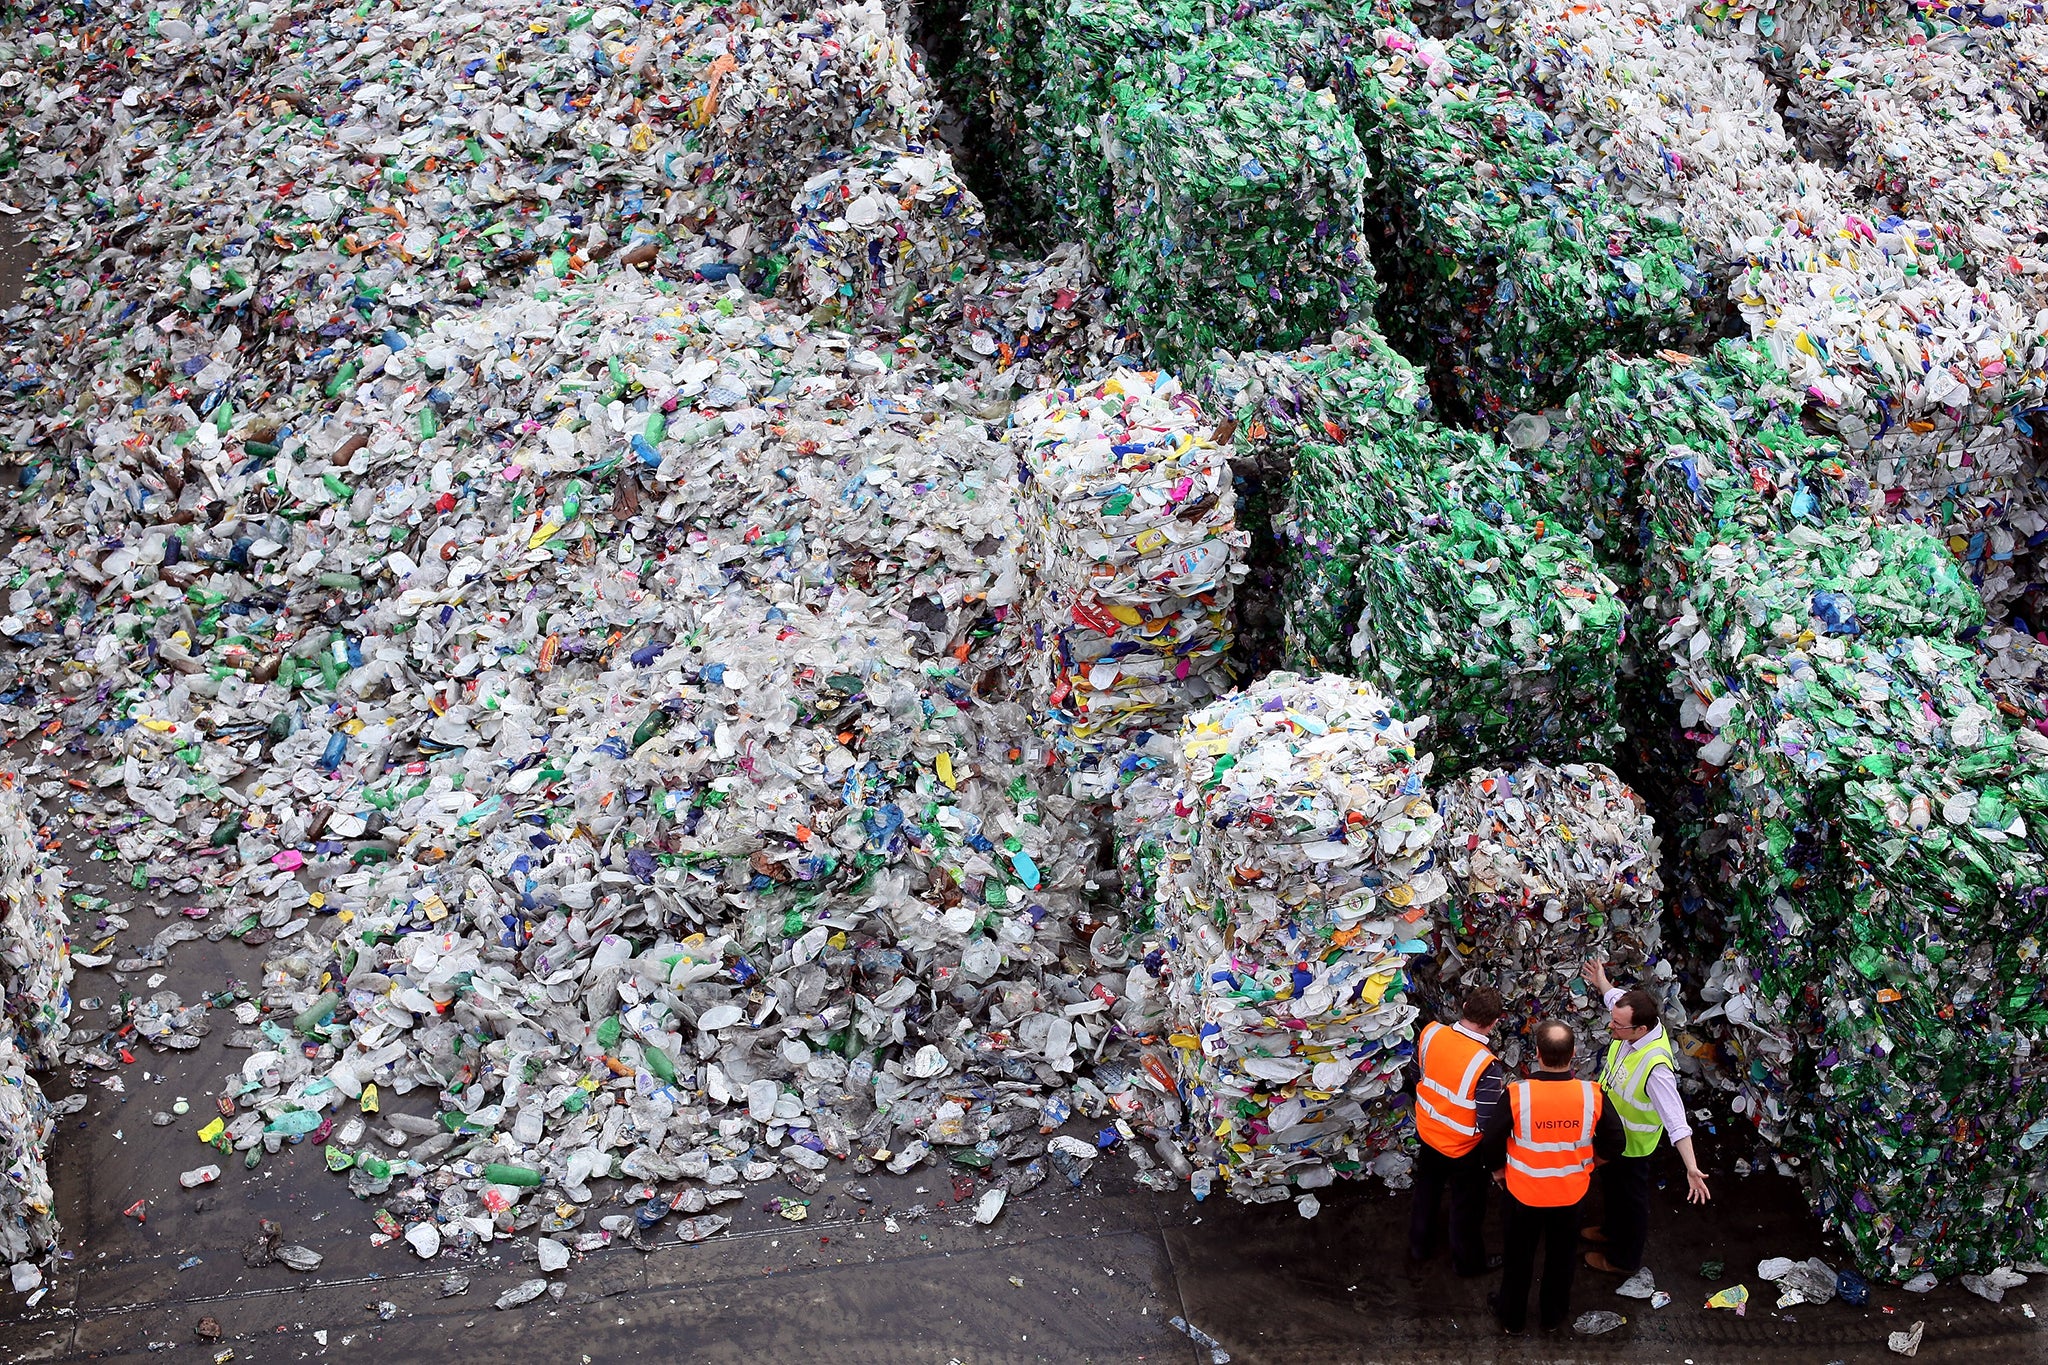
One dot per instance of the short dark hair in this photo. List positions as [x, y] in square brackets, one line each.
[1482, 1006]
[1641, 1007]
[1555, 1043]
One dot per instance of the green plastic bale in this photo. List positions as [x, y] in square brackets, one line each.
[1237, 202]
[1351, 385]
[1507, 638]
[1033, 82]
[1508, 260]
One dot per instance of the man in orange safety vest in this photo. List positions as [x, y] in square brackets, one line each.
[1543, 1143]
[1457, 1090]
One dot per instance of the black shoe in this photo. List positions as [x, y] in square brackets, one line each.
[1493, 1302]
[1492, 1264]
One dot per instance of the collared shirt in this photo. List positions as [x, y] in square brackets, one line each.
[1663, 1083]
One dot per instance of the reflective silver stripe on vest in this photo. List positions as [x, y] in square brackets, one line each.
[1544, 1173]
[1461, 1098]
[1466, 1129]
[1525, 1133]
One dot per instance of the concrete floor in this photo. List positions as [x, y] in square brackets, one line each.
[1064, 1276]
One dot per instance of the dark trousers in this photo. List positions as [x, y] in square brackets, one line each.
[1625, 1192]
[1558, 1229]
[1465, 1180]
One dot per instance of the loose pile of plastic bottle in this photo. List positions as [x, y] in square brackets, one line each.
[709, 638]
[35, 1000]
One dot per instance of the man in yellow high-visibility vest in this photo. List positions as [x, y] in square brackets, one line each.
[1640, 1080]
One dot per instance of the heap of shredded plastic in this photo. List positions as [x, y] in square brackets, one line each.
[777, 96]
[688, 139]
[2019, 52]
[1771, 31]
[630, 678]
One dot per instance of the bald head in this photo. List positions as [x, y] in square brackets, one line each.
[1555, 1044]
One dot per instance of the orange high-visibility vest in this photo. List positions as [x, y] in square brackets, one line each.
[1446, 1114]
[1550, 1141]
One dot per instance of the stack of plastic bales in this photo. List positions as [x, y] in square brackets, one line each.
[1063, 63]
[1982, 491]
[1308, 880]
[1279, 401]
[1792, 293]
[1866, 817]
[1085, 49]
[1138, 556]
[1194, 152]
[997, 73]
[1424, 553]
[1920, 349]
[1932, 130]
[35, 995]
[1626, 416]
[1678, 122]
[1504, 254]
[1549, 867]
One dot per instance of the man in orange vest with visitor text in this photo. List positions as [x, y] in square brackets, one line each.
[1543, 1144]
[1458, 1089]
